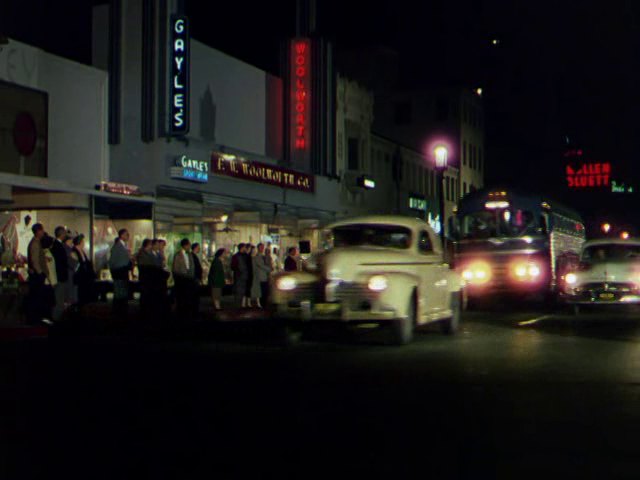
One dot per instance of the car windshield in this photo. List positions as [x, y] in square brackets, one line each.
[499, 223]
[389, 236]
[610, 253]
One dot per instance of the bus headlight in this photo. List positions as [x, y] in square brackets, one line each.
[526, 270]
[477, 273]
[378, 283]
[286, 284]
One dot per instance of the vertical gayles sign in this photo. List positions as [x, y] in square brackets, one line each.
[179, 76]
[300, 81]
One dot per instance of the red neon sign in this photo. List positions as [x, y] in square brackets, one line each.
[300, 100]
[589, 175]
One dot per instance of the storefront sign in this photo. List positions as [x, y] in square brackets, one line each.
[119, 188]
[238, 167]
[589, 175]
[179, 76]
[300, 115]
[189, 169]
[417, 203]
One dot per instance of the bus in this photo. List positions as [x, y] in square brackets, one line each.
[506, 242]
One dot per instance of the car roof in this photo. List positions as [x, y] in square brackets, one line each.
[611, 241]
[412, 223]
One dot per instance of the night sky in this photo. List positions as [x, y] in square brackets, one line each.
[564, 69]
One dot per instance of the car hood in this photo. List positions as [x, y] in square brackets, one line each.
[348, 263]
[611, 272]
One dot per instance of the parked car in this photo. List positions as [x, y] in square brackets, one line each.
[378, 271]
[609, 274]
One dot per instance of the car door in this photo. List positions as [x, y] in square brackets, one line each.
[433, 276]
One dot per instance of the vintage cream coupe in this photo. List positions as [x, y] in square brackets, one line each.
[377, 271]
[609, 274]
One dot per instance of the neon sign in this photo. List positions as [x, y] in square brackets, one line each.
[620, 187]
[179, 81]
[417, 203]
[189, 169]
[589, 175]
[300, 100]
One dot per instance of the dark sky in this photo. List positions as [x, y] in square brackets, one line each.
[562, 68]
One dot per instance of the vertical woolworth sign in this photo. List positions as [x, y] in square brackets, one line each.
[179, 76]
[300, 101]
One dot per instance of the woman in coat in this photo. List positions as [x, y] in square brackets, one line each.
[217, 277]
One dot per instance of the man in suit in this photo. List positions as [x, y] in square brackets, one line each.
[61, 258]
[120, 264]
[185, 280]
[37, 275]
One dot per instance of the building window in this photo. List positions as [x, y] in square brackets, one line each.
[465, 112]
[464, 188]
[353, 154]
[473, 157]
[448, 188]
[403, 113]
[480, 159]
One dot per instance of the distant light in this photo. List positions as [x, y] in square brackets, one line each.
[368, 183]
[479, 91]
[606, 227]
[495, 41]
[224, 218]
[624, 235]
[497, 204]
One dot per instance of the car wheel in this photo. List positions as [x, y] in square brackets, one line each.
[450, 325]
[402, 328]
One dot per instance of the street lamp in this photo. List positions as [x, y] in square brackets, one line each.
[606, 228]
[441, 154]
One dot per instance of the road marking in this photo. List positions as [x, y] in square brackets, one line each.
[533, 321]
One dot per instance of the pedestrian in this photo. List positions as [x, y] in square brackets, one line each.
[85, 276]
[37, 277]
[62, 271]
[262, 269]
[275, 259]
[147, 266]
[291, 262]
[163, 253]
[71, 297]
[217, 277]
[120, 264]
[241, 275]
[155, 251]
[51, 281]
[184, 277]
[256, 292]
[249, 282]
[197, 274]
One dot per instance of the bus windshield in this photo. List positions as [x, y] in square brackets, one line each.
[511, 223]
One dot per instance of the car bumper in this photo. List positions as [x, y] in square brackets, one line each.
[308, 312]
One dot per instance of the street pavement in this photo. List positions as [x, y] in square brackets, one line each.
[516, 394]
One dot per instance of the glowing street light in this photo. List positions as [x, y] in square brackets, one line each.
[606, 228]
[479, 91]
[441, 154]
[624, 235]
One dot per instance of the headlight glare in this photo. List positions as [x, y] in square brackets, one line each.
[286, 284]
[378, 283]
[571, 279]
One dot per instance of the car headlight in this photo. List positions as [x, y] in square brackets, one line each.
[378, 283]
[477, 273]
[571, 279]
[286, 284]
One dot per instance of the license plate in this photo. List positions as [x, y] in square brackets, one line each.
[607, 296]
[326, 308]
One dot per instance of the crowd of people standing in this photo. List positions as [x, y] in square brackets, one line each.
[61, 275]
